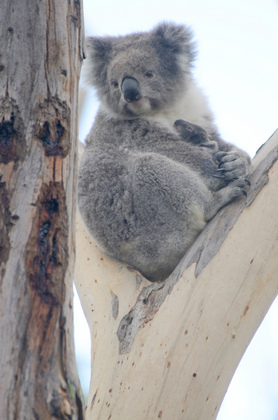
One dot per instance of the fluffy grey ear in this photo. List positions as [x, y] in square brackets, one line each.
[98, 52]
[99, 48]
[176, 38]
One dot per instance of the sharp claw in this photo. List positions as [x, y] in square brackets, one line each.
[244, 193]
[219, 177]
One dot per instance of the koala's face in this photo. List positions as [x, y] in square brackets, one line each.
[136, 85]
[143, 73]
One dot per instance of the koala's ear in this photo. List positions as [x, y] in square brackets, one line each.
[99, 48]
[98, 54]
[176, 38]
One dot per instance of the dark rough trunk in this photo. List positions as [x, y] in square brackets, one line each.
[40, 58]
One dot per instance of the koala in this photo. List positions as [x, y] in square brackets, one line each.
[147, 187]
[196, 135]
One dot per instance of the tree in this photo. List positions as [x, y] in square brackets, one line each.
[169, 350]
[40, 60]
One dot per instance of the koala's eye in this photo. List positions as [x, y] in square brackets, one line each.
[115, 84]
[149, 74]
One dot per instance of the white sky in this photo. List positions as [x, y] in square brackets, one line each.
[237, 68]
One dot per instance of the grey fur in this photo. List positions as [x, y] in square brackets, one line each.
[144, 192]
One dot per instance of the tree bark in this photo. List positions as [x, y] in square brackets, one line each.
[40, 59]
[169, 350]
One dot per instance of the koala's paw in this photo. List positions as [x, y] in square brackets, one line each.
[231, 165]
[236, 189]
[225, 196]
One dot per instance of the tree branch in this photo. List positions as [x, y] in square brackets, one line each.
[174, 346]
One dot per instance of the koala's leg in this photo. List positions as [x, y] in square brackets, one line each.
[169, 203]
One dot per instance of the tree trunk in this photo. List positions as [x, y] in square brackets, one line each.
[169, 350]
[40, 59]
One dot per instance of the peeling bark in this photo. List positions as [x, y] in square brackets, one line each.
[53, 127]
[40, 58]
[47, 257]
[12, 143]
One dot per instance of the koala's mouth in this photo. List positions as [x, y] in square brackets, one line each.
[139, 107]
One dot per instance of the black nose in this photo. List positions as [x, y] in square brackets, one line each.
[130, 89]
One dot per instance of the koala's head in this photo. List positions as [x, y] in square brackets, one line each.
[141, 73]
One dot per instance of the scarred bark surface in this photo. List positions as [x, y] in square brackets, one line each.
[40, 58]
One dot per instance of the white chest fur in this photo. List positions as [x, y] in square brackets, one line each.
[192, 107]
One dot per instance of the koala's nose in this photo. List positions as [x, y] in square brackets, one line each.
[130, 89]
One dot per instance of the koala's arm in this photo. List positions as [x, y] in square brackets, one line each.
[227, 163]
[232, 162]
